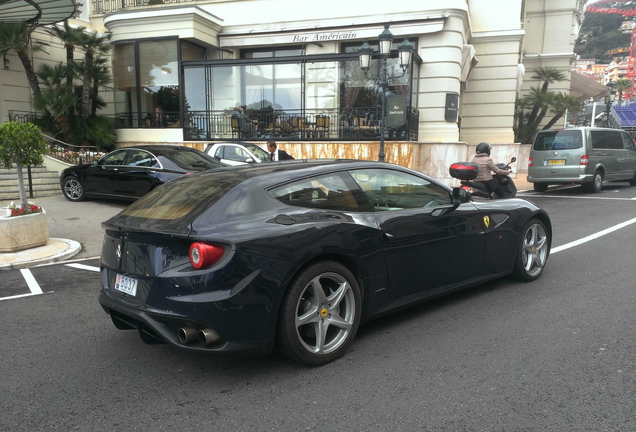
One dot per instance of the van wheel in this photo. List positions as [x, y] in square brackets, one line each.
[597, 183]
[632, 182]
[540, 187]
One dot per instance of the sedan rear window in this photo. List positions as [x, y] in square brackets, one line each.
[558, 140]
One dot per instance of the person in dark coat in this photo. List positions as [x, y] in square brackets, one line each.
[277, 154]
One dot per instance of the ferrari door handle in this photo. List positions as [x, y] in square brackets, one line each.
[387, 236]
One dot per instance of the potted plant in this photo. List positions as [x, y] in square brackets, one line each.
[24, 226]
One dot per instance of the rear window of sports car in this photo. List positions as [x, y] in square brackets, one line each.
[182, 199]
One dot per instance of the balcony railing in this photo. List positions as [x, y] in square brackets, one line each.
[105, 6]
[351, 124]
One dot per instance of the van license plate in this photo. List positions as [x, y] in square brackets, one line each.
[556, 162]
[126, 285]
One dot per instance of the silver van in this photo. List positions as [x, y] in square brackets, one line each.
[581, 155]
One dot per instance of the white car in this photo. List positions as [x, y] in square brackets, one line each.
[237, 153]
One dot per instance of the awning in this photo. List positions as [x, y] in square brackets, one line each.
[584, 88]
[40, 12]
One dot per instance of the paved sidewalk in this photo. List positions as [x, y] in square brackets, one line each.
[74, 231]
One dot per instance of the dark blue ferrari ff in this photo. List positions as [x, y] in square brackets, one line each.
[295, 255]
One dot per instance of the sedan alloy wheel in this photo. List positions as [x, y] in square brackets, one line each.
[73, 189]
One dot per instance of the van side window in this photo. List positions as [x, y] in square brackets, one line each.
[607, 140]
[628, 142]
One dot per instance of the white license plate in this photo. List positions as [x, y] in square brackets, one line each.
[126, 284]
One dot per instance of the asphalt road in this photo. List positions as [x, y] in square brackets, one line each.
[556, 354]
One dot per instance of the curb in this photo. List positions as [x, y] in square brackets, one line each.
[55, 249]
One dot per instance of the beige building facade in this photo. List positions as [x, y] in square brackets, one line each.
[472, 59]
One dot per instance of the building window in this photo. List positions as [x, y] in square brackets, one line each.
[146, 81]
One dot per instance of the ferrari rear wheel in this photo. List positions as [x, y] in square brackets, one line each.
[72, 189]
[320, 314]
[533, 251]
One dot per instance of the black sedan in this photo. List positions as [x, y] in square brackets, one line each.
[296, 255]
[132, 172]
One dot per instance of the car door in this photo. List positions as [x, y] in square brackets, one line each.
[135, 177]
[627, 159]
[429, 242]
[100, 177]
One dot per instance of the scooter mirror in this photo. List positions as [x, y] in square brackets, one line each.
[514, 159]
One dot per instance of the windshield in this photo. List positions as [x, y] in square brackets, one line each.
[259, 152]
[558, 140]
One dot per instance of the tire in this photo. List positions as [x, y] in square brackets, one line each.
[540, 187]
[597, 182]
[72, 189]
[632, 181]
[323, 298]
[533, 251]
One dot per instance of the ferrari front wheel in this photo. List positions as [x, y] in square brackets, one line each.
[533, 251]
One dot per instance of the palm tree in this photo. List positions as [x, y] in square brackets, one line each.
[547, 76]
[71, 37]
[620, 85]
[16, 36]
[563, 103]
[93, 45]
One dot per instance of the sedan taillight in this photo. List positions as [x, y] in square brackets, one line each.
[585, 159]
[203, 255]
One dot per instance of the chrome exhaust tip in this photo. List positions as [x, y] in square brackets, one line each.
[208, 336]
[188, 335]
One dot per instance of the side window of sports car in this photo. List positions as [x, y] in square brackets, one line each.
[329, 192]
[396, 190]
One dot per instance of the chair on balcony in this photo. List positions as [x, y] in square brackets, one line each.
[235, 127]
[299, 126]
[365, 127]
[322, 126]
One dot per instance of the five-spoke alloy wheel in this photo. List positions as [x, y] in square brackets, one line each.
[72, 189]
[533, 251]
[320, 314]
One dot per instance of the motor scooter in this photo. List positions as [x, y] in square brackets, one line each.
[466, 172]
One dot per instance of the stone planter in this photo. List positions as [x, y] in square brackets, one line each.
[23, 232]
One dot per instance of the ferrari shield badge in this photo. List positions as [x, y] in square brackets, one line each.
[487, 221]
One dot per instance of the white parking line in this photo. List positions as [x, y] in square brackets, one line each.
[593, 236]
[83, 267]
[34, 287]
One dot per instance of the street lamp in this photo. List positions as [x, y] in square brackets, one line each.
[609, 100]
[383, 80]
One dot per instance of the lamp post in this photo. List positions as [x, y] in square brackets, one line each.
[609, 100]
[384, 79]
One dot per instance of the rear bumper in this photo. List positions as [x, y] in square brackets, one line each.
[583, 178]
[163, 327]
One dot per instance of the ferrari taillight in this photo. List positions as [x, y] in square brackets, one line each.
[585, 160]
[203, 255]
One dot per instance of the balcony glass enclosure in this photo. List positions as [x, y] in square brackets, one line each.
[267, 93]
